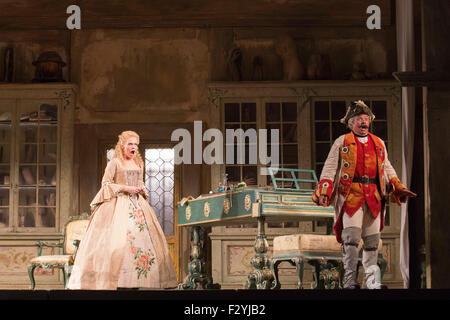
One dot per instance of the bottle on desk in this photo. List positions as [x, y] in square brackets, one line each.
[223, 187]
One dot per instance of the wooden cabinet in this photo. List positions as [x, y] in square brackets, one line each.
[36, 162]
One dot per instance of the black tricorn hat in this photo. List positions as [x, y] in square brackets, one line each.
[355, 109]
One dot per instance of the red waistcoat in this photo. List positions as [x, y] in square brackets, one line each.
[366, 166]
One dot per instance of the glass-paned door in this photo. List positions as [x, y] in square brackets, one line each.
[159, 180]
[28, 165]
[6, 144]
[37, 176]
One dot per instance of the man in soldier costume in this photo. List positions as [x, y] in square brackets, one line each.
[354, 179]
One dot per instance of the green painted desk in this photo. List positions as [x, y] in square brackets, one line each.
[241, 207]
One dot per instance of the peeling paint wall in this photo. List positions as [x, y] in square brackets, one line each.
[143, 70]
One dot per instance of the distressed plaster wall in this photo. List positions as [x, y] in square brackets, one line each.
[141, 72]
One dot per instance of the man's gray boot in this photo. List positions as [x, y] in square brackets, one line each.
[351, 237]
[372, 278]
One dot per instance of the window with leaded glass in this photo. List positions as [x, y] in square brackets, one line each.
[160, 180]
[5, 168]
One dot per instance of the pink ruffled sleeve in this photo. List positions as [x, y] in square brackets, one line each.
[109, 189]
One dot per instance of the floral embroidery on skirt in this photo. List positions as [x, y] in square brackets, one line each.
[138, 216]
[143, 258]
[139, 267]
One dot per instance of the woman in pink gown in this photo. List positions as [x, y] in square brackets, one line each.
[124, 245]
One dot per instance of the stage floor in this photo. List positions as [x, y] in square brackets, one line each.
[231, 295]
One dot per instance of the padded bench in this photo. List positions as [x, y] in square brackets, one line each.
[322, 252]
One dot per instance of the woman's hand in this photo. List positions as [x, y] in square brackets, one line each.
[131, 190]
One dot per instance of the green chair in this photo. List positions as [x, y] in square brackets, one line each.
[74, 230]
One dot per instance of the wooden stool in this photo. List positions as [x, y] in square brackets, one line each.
[322, 252]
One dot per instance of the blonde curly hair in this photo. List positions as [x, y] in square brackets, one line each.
[118, 151]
